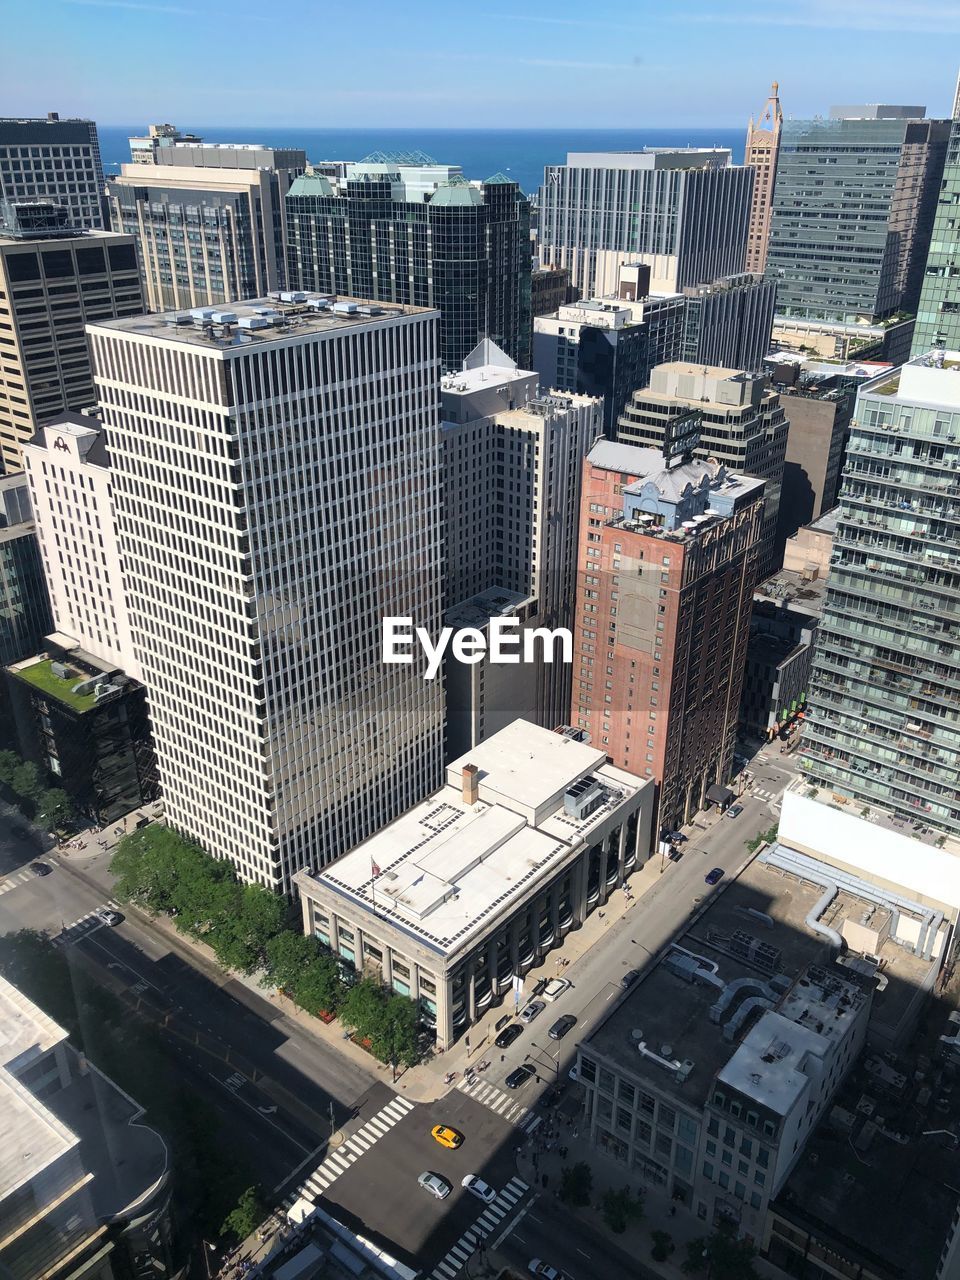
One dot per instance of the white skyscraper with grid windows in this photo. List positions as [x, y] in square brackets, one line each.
[275, 476]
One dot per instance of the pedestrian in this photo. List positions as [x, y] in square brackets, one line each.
[600, 914]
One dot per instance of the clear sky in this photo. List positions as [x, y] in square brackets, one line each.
[492, 63]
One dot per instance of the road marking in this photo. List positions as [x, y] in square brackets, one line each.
[16, 878]
[338, 1162]
[266, 1119]
[511, 1226]
[459, 1253]
[582, 1254]
[500, 1103]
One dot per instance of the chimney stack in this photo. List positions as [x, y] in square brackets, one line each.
[471, 783]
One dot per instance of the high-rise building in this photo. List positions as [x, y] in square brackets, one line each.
[511, 480]
[741, 425]
[884, 726]
[818, 406]
[853, 210]
[760, 154]
[208, 219]
[160, 137]
[275, 478]
[24, 603]
[57, 161]
[668, 562]
[609, 346]
[938, 310]
[85, 1183]
[684, 213]
[52, 282]
[422, 236]
[549, 289]
[80, 708]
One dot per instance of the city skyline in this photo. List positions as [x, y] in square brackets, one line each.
[493, 68]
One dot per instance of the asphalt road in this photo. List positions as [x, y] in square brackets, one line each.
[631, 941]
[380, 1197]
[548, 1232]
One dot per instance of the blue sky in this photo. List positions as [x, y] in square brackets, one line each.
[535, 64]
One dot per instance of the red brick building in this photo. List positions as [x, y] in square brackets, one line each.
[667, 565]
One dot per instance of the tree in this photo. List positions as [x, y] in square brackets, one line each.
[242, 937]
[27, 782]
[288, 956]
[620, 1208]
[9, 763]
[54, 809]
[243, 1220]
[728, 1257]
[364, 1008]
[576, 1183]
[319, 989]
[663, 1245]
[397, 1038]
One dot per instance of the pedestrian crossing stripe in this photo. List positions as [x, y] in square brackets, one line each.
[500, 1103]
[458, 1254]
[15, 878]
[339, 1161]
[87, 923]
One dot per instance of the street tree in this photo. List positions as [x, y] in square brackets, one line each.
[620, 1208]
[27, 782]
[9, 763]
[243, 1220]
[54, 809]
[576, 1183]
[318, 988]
[364, 1008]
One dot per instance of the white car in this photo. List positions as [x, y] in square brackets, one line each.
[108, 917]
[438, 1187]
[544, 1270]
[532, 1010]
[555, 988]
[477, 1187]
[573, 1073]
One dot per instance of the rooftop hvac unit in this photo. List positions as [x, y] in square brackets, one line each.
[345, 308]
[293, 295]
[254, 322]
[224, 317]
[59, 670]
[583, 798]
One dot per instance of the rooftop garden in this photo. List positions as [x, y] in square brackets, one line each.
[41, 676]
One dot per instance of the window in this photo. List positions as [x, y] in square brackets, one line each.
[708, 1170]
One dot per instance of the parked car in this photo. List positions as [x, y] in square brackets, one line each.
[477, 1187]
[507, 1036]
[40, 868]
[714, 876]
[555, 988]
[573, 1074]
[520, 1076]
[675, 855]
[629, 978]
[538, 987]
[562, 1026]
[446, 1136]
[531, 1011]
[108, 917]
[735, 811]
[676, 836]
[438, 1187]
[544, 1270]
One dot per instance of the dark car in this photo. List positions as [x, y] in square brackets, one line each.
[735, 811]
[676, 836]
[40, 868]
[520, 1076]
[675, 855]
[507, 1036]
[539, 986]
[552, 1096]
[714, 876]
[629, 978]
[562, 1026]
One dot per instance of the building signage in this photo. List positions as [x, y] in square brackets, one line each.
[60, 444]
[682, 435]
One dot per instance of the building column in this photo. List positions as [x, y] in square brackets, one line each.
[444, 1012]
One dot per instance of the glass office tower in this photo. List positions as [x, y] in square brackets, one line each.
[938, 312]
[885, 691]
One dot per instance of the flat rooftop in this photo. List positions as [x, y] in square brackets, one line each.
[495, 602]
[669, 1011]
[39, 674]
[236, 326]
[446, 867]
[792, 590]
[649, 158]
[79, 237]
[932, 380]
[468, 381]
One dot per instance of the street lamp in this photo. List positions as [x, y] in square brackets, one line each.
[207, 1250]
[554, 1060]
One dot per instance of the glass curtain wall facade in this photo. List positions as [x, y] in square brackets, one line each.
[852, 200]
[465, 251]
[885, 690]
[938, 312]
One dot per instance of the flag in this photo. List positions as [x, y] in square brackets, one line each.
[374, 869]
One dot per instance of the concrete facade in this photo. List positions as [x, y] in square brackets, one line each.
[473, 886]
[762, 149]
[57, 160]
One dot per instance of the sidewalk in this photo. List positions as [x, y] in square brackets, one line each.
[541, 1157]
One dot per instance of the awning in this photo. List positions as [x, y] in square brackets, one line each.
[718, 794]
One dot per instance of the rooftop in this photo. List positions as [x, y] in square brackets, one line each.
[445, 867]
[495, 602]
[236, 326]
[793, 590]
[66, 681]
[932, 380]
[754, 928]
[650, 158]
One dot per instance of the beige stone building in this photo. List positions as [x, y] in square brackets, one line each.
[763, 146]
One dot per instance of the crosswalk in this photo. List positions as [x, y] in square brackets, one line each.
[763, 794]
[490, 1096]
[339, 1161]
[16, 878]
[83, 925]
[456, 1257]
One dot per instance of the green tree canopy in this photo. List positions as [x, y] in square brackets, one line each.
[27, 781]
[9, 763]
[246, 1217]
[620, 1208]
[318, 988]
[728, 1258]
[364, 1007]
[54, 809]
[396, 1038]
[576, 1183]
[288, 956]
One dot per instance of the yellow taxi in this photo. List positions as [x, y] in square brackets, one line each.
[447, 1137]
